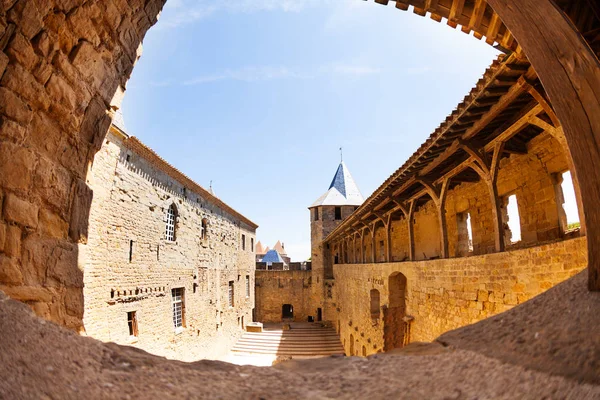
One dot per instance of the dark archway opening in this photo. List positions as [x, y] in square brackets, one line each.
[287, 312]
[394, 325]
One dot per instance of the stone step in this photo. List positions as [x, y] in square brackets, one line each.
[298, 341]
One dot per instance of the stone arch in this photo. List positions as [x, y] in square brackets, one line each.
[393, 317]
[171, 218]
[64, 74]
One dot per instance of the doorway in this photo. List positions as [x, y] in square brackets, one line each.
[287, 311]
[394, 324]
[319, 315]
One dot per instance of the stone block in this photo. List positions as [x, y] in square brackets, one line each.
[61, 91]
[16, 164]
[53, 183]
[21, 51]
[2, 236]
[9, 271]
[20, 211]
[22, 82]
[13, 107]
[62, 265]
[12, 245]
[26, 14]
[3, 62]
[80, 210]
[28, 293]
[53, 225]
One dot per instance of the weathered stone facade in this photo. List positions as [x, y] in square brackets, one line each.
[407, 264]
[130, 266]
[441, 295]
[274, 289]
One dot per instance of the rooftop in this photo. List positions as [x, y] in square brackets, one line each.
[343, 191]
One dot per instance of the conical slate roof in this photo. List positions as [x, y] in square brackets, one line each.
[343, 191]
[272, 256]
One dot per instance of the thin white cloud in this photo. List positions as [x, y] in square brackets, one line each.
[182, 12]
[268, 73]
[247, 74]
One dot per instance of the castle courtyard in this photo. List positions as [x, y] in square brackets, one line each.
[462, 275]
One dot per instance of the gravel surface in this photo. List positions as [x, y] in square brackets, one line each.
[488, 360]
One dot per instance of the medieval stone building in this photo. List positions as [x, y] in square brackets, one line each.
[431, 249]
[168, 267]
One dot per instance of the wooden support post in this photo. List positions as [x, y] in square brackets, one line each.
[373, 244]
[496, 215]
[354, 248]
[411, 232]
[362, 246]
[388, 239]
[441, 205]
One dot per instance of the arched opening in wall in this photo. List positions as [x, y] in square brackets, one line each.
[375, 309]
[171, 223]
[511, 219]
[568, 213]
[351, 345]
[287, 312]
[393, 316]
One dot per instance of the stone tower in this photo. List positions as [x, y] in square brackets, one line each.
[326, 213]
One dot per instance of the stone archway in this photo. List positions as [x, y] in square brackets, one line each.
[64, 67]
[393, 315]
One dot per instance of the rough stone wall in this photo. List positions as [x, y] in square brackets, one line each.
[427, 232]
[276, 288]
[529, 177]
[399, 239]
[131, 198]
[446, 294]
[61, 63]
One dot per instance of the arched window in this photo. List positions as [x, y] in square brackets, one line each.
[375, 301]
[204, 233]
[171, 220]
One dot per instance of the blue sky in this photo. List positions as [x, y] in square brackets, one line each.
[258, 96]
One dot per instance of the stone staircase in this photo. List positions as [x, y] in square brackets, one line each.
[303, 339]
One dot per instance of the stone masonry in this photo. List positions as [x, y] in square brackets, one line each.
[129, 265]
[442, 295]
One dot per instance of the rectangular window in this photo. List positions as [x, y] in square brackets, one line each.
[465, 234]
[252, 245]
[132, 323]
[243, 242]
[338, 213]
[231, 293]
[247, 285]
[512, 221]
[178, 306]
[569, 203]
[316, 214]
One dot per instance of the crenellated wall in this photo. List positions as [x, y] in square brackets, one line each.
[446, 294]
